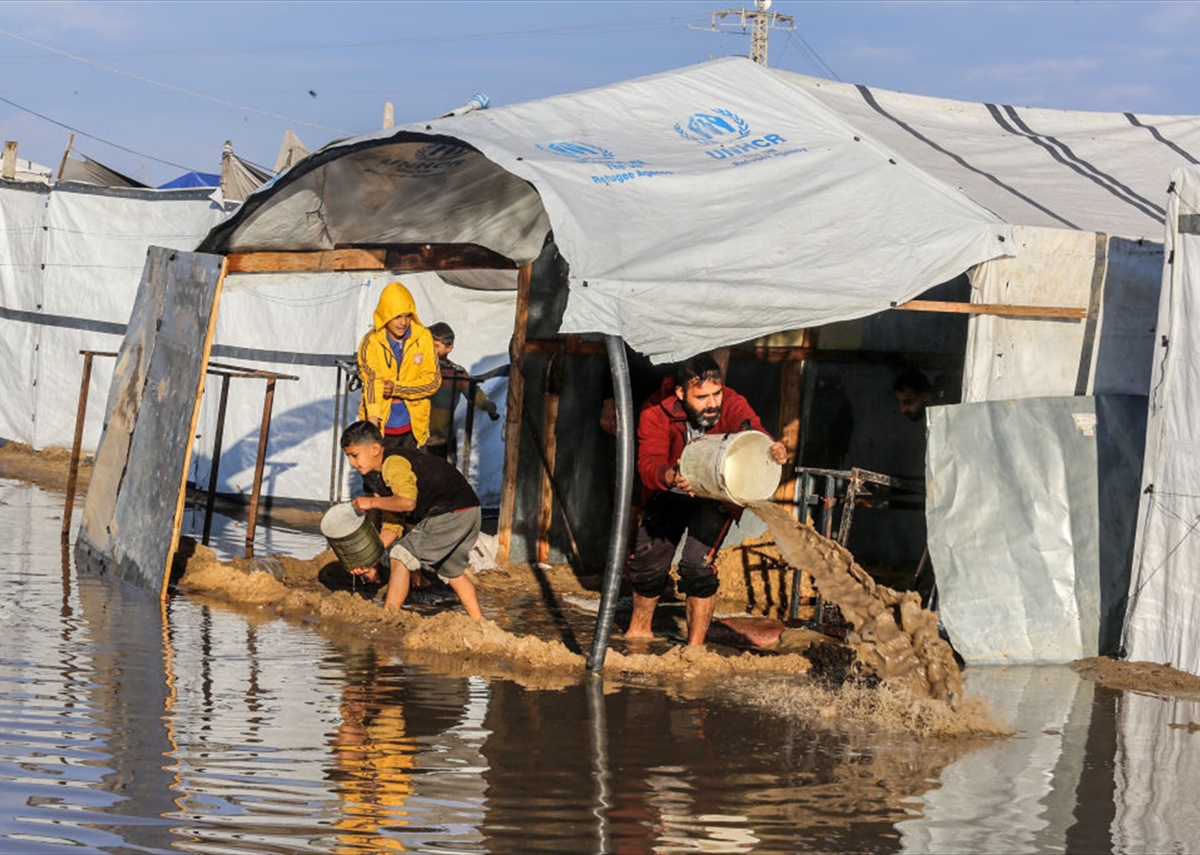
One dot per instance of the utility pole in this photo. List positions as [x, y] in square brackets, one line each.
[760, 23]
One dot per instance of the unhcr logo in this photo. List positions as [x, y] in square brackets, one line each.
[726, 135]
[579, 152]
[422, 162]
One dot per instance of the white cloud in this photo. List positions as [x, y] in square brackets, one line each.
[1172, 20]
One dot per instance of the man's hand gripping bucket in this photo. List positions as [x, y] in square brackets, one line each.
[732, 467]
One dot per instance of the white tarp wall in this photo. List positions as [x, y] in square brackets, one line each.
[72, 258]
[1028, 506]
[1109, 352]
[298, 324]
[1163, 618]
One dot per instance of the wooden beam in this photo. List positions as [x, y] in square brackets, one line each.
[512, 415]
[9, 168]
[298, 262]
[1055, 312]
[446, 256]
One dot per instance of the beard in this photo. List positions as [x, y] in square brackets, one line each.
[702, 419]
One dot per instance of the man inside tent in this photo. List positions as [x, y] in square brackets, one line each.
[694, 402]
[399, 369]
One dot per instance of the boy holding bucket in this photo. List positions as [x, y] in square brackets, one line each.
[693, 403]
[442, 513]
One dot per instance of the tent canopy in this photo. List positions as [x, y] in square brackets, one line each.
[724, 201]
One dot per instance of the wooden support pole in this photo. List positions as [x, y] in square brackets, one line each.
[791, 385]
[62, 164]
[1046, 312]
[512, 415]
[295, 262]
[9, 167]
[550, 450]
[259, 461]
[77, 445]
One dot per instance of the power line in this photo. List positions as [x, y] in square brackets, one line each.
[73, 130]
[602, 28]
[168, 86]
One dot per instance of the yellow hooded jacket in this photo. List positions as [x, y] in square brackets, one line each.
[416, 378]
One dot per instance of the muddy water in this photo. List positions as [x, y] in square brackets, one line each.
[206, 729]
[892, 635]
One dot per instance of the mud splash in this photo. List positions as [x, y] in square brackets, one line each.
[893, 637]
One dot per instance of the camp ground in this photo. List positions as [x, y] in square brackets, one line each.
[828, 235]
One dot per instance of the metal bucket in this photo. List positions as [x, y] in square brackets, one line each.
[732, 467]
[351, 536]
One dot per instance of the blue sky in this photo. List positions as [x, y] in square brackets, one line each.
[173, 81]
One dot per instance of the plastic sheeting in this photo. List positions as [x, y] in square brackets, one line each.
[74, 257]
[92, 243]
[1110, 352]
[1028, 504]
[698, 208]
[299, 325]
[1163, 620]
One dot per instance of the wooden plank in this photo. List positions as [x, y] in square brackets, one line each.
[177, 520]
[135, 494]
[512, 416]
[296, 262]
[446, 256]
[1059, 312]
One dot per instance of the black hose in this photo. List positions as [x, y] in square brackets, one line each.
[622, 490]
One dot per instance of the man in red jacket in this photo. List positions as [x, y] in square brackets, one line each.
[693, 402]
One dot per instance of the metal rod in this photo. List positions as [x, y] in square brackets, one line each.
[218, 439]
[337, 420]
[464, 464]
[268, 401]
[622, 488]
[80, 416]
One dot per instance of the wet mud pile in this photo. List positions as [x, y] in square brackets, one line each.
[892, 636]
[515, 599]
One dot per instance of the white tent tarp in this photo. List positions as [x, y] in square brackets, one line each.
[1163, 619]
[793, 218]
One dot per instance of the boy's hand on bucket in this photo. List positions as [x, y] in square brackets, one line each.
[778, 452]
[362, 504]
[369, 574]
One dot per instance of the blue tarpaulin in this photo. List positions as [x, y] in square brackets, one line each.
[192, 179]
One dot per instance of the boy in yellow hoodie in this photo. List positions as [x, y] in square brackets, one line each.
[399, 369]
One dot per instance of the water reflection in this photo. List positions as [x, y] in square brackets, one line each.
[209, 729]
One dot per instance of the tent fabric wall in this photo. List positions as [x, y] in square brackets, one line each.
[1061, 169]
[788, 207]
[22, 227]
[1109, 352]
[76, 255]
[1163, 619]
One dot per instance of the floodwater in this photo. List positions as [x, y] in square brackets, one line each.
[126, 728]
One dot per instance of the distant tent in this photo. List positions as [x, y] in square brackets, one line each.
[239, 178]
[89, 171]
[291, 151]
[192, 179]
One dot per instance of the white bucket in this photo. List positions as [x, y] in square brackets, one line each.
[732, 467]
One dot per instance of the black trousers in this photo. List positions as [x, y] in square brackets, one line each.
[663, 523]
